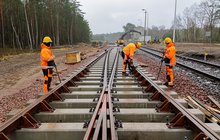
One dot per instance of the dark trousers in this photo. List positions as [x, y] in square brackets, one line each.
[47, 78]
[126, 62]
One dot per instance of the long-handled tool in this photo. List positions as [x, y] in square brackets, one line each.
[161, 63]
[58, 75]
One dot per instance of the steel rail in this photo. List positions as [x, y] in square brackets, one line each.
[114, 135]
[189, 58]
[18, 120]
[104, 108]
[104, 122]
[101, 121]
[88, 134]
[185, 66]
[202, 127]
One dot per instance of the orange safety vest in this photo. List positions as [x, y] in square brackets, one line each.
[129, 50]
[45, 55]
[171, 54]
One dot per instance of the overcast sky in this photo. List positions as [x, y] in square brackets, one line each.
[109, 16]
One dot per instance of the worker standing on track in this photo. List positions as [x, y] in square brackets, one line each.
[170, 60]
[128, 55]
[47, 62]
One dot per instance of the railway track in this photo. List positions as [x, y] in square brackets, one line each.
[97, 102]
[204, 68]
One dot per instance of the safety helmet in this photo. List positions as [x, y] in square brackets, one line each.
[138, 44]
[47, 39]
[168, 40]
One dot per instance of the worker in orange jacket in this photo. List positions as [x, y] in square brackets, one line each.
[47, 62]
[170, 60]
[128, 55]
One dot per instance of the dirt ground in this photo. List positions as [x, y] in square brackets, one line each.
[22, 70]
[196, 50]
[21, 78]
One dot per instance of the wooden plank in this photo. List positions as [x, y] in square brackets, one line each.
[214, 101]
[198, 106]
[213, 109]
[208, 111]
[202, 106]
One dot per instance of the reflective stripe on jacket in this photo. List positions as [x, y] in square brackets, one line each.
[45, 55]
[47, 67]
[129, 50]
[170, 53]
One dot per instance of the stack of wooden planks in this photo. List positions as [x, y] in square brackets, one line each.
[212, 114]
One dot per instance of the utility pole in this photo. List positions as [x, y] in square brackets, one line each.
[174, 25]
[145, 14]
[147, 22]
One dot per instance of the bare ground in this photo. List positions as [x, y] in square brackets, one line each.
[21, 70]
[21, 77]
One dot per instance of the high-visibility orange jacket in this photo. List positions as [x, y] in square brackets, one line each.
[130, 49]
[170, 53]
[45, 55]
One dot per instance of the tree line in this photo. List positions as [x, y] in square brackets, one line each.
[23, 23]
[198, 23]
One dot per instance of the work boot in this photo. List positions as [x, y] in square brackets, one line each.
[124, 74]
[170, 84]
[166, 83]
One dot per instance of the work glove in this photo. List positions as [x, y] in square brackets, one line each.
[163, 59]
[51, 63]
[167, 60]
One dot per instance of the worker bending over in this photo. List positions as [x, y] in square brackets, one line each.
[170, 60]
[47, 62]
[128, 55]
